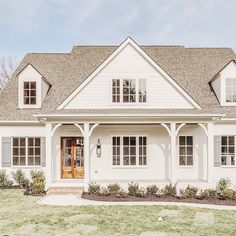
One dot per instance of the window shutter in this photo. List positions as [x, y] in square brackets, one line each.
[43, 151]
[217, 151]
[6, 151]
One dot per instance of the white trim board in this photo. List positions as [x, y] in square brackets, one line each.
[113, 55]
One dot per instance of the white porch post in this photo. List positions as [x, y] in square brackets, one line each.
[86, 135]
[173, 162]
[210, 152]
[48, 168]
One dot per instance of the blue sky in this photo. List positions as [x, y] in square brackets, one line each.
[57, 25]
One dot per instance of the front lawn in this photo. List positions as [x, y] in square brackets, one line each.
[21, 215]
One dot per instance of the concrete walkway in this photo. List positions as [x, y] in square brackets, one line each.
[73, 200]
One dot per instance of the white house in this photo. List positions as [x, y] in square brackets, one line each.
[116, 114]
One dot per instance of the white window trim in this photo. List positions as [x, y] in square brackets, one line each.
[121, 92]
[186, 166]
[122, 166]
[228, 166]
[223, 91]
[26, 153]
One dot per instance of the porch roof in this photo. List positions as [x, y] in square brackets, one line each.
[127, 113]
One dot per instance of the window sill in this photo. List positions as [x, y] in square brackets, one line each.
[186, 167]
[26, 167]
[130, 167]
[228, 166]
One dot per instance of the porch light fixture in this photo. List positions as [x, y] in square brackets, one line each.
[99, 148]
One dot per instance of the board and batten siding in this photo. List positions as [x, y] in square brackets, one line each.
[129, 64]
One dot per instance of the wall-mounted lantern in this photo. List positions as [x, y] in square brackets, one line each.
[99, 148]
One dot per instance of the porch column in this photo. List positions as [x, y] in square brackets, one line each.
[210, 152]
[173, 158]
[48, 168]
[86, 135]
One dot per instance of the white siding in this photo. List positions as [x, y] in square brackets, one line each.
[129, 64]
[216, 86]
[44, 90]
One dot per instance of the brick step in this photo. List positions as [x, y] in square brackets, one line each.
[65, 191]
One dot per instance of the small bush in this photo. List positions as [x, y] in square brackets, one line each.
[133, 189]
[20, 179]
[5, 182]
[94, 188]
[222, 184]
[228, 194]
[37, 186]
[188, 192]
[169, 190]
[208, 194]
[104, 192]
[152, 190]
[121, 194]
[141, 192]
[113, 189]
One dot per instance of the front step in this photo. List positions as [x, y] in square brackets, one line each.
[65, 191]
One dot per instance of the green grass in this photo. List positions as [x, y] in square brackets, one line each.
[21, 215]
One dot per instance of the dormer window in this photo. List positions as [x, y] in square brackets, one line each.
[230, 92]
[129, 91]
[29, 92]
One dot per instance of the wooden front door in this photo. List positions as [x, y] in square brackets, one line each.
[72, 157]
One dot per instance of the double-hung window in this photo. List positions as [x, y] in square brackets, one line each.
[129, 151]
[185, 150]
[26, 151]
[29, 93]
[230, 89]
[129, 91]
[227, 151]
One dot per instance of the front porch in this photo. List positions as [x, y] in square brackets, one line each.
[162, 158]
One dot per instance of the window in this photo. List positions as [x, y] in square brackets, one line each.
[26, 151]
[19, 151]
[227, 150]
[29, 93]
[115, 90]
[34, 151]
[142, 90]
[185, 150]
[129, 151]
[129, 91]
[116, 151]
[230, 93]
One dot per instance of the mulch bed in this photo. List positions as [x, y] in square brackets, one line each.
[157, 199]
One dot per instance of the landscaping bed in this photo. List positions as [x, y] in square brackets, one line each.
[130, 198]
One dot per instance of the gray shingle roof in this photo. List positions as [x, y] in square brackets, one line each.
[191, 68]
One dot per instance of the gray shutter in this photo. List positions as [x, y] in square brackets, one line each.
[6, 151]
[43, 151]
[217, 151]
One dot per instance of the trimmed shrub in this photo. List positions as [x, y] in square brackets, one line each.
[141, 192]
[208, 194]
[133, 189]
[104, 192]
[20, 179]
[121, 194]
[222, 184]
[113, 189]
[94, 188]
[228, 194]
[5, 182]
[37, 186]
[169, 190]
[152, 190]
[188, 192]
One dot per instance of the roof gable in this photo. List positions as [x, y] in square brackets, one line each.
[128, 41]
